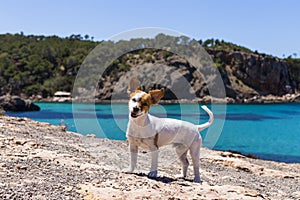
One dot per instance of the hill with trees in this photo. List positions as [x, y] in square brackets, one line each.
[41, 65]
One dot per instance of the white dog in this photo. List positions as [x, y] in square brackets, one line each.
[151, 132]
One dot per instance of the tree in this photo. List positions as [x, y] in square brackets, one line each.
[295, 55]
[208, 42]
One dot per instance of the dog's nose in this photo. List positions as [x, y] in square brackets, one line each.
[135, 109]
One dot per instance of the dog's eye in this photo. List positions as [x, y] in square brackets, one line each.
[144, 104]
[134, 100]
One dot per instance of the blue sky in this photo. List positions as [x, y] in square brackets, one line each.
[269, 26]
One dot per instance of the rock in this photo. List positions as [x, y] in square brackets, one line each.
[15, 104]
[230, 100]
[91, 135]
[253, 74]
[20, 142]
[296, 195]
[53, 164]
[297, 98]
[21, 167]
[246, 78]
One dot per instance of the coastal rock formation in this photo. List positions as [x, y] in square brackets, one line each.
[247, 74]
[247, 77]
[15, 103]
[42, 161]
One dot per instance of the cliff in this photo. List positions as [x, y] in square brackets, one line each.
[42, 161]
[248, 77]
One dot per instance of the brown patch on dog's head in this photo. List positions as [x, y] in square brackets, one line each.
[140, 102]
[151, 98]
[145, 102]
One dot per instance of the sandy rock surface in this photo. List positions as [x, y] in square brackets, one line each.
[41, 161]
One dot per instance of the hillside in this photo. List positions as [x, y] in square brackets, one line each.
[39, 65]
[32, 65]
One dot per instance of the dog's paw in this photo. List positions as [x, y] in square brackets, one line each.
[152, 174]
[197, 180]
[127, 170]
[180, 176]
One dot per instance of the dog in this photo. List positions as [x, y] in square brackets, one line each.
[150, 132]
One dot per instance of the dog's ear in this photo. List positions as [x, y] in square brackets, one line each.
[156, 95]
[133, 85]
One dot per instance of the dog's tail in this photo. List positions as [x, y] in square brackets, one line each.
[210, 121]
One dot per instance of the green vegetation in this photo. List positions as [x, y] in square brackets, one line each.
[222, 45]
[294, 69]
[40, 65]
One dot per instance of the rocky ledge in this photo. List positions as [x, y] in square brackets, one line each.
[15, 103]
[42, 161]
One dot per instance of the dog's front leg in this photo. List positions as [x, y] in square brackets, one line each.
[154, 163]
[133, 158]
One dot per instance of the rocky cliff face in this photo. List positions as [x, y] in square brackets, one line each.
[247, 77]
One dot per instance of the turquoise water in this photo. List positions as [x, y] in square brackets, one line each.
[267, 131]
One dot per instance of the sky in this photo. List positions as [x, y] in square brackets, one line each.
[268, 26]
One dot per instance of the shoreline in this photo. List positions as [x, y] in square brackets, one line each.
[270, 157]
[167, 103]
[248, 155]
[258, 155]
[257, 99]
[15, 103]
[269, 99]
[43, 161]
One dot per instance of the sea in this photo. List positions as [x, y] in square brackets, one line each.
[265, 131]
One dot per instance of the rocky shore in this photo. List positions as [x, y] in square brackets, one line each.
[42, 161]
[268, 99]
[16, 103]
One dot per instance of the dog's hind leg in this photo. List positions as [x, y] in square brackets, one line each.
[195, 154]
[181, 151]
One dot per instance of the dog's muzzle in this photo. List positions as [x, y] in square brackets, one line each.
[134, 115]
[135, 112]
